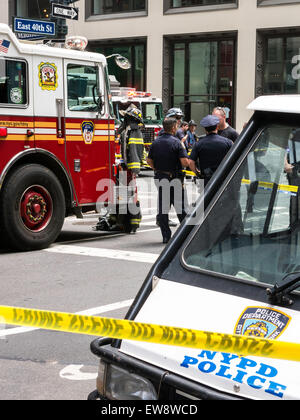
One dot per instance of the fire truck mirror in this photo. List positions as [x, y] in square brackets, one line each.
[98, 98]
[122, 62]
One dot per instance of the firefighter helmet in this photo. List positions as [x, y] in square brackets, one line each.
[133, 112]
[175, 112]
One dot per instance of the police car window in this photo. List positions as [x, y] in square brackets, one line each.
[13, 82]
[82, 87]
[253, 230]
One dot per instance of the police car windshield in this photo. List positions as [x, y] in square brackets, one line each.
[253, 230]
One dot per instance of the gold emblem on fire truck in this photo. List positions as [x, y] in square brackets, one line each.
[88, 130]
[48, 76]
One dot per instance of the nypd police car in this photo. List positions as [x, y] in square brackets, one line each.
[233, 268]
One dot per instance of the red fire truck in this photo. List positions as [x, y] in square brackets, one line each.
[56, 138]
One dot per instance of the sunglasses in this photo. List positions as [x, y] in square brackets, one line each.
[219, 108]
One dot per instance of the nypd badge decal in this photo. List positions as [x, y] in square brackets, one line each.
[262, 322]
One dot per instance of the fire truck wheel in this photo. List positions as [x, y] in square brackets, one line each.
[32, 208]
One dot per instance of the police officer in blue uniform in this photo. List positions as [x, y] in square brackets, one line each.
[167, 157]
[209, 152]
[178, 115]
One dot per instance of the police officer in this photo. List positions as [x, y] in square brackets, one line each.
[167, 157]
[178, 115]
[210, 150]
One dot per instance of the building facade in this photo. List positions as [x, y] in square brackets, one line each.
[196, 54]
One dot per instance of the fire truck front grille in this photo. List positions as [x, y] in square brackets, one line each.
[148, 134]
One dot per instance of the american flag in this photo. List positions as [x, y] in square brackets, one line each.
[4, 45]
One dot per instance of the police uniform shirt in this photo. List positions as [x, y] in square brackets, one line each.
[166, 152]
[179, 134]
[210, 151]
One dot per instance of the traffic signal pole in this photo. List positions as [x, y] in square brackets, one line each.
[60, 22]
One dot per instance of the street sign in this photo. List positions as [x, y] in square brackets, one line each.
[35, 27]
[29, 37]
[65, 12]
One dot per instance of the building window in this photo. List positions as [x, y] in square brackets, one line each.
[191, 3]
[275, 2]
[203, 77]
[173, 6]
[39, 9]
[136, 53]
[279, 53]
[110, 7]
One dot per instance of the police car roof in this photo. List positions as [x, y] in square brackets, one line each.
[276, 103]
[44, 50]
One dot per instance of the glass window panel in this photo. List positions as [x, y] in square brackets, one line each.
[152, 113]
[225, 67]
[82, 87]
[291, 85]
[13, 83]
[205, 78]
[135, 76]
[273, 78]
[203, 63]
[292, 47]
[275, 50]
[178, 101]
[278, 66]
[105, 7]
[33, 9]
[192, 3]
[179, 68]
[252, 231]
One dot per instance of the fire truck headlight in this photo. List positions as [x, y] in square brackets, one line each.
[114, 383]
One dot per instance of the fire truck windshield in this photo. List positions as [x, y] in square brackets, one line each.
[122, 106]
[152, 112]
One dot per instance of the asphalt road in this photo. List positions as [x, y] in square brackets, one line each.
[83, 270]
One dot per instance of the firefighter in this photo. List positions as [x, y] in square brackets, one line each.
[132, 150]
[131, 138]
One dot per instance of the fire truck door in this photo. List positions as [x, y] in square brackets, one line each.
[48, 90]
[16, 121]
[89, 132]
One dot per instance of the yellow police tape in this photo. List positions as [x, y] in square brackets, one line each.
[269, 186]
[159, 334]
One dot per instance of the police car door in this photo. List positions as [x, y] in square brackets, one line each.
[88, 127]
